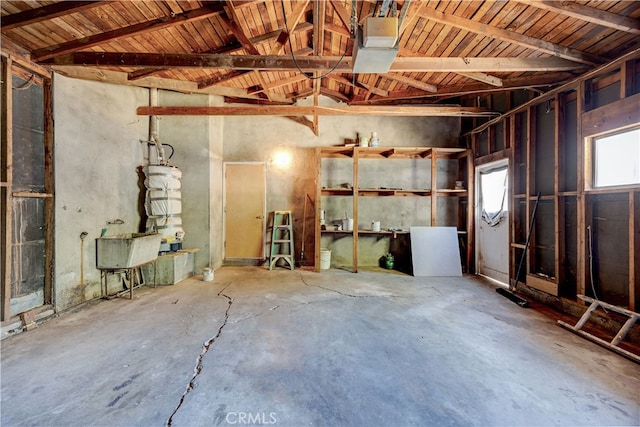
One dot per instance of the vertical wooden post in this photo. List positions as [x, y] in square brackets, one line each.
[434, 186]
[512, 142]
[7, 154]
[471, 213]
[558, 188]
[581, 268]
[49, 188]
[355, 210]
[318, 206]
[634, 223]
[530, 175]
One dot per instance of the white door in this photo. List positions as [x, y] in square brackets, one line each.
[492, 219]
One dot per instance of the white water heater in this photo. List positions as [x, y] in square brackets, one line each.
[163, 201]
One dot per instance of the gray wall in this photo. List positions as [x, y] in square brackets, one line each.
[97, 152]
[198, 154]
[286, 188]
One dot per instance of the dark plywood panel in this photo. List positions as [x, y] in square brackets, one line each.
[610, 248]
[569, 149]
[544, 155]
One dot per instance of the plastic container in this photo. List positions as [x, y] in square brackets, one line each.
[325, 259]
[207, 275]
[347, 224]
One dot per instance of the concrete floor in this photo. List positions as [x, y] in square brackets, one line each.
[301, 348]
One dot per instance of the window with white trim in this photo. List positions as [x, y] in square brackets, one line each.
[616, 159]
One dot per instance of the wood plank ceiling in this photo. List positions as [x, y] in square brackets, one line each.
[277, 52]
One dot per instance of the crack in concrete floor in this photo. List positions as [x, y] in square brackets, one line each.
[205, 349]
[302, 279]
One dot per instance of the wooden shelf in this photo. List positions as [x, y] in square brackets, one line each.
[337, 191]
[385, 192]
[344, 232]
[429, 154]
[393, 152]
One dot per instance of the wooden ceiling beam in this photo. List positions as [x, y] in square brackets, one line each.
[275, 110]
[238, 33]
[309, 63]
[244, 40]
[540, 81]
[511, 37]
[280, 83]
[335, 95]
[358, 85]
[343, 13]
[47, 12]
[145, 72]
[336, 29]
[484, 78]
[588, 14]
[411, 82]
[132, 30]
[237, 74]
[304, 122]
[283, 37]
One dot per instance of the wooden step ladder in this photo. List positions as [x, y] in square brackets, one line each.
[622, 333]
[281, 239]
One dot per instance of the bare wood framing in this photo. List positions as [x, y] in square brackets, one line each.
[136, 29]
[310, 63]
[568, 86]
[511, 37]
[7, 154]
[47, 12]
[284, 110]
[633, 220]
[318, 208]
[581, 269]
[355, 210]
[558, 186]
[470, 211]
[484, 78]
[49, 220]
[634, 296]
[588, 14]
[434, 187]
[617, 115]
[411, 82]
[530, 180]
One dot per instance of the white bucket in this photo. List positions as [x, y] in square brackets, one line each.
[325, 259]
[347, 224]
[375, 225]
[207, 275]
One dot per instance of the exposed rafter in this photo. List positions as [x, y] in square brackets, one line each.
[510, 36]
[136, 29]
[411, 82]
[588, 14]
[269, 110]
[310, 64]
[483, 77]
[47, 12]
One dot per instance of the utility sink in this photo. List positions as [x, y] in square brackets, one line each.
[127, 251]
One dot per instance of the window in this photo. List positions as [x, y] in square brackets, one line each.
[493, 193]
[617, 159]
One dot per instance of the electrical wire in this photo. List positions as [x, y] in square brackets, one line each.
[293, 56]
[173, 150]
[26, 85]
[593, 286]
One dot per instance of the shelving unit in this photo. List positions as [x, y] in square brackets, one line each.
[353, 191]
